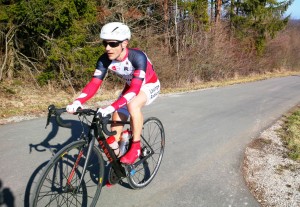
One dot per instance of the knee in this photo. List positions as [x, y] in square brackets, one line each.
[133, 109]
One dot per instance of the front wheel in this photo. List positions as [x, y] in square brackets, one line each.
[152, 150]
[59, 184]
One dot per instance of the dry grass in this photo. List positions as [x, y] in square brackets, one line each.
[290, 133]
[236, 80]
[19, 99]
[25, 100]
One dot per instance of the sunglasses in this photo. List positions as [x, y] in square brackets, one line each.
[111, 44]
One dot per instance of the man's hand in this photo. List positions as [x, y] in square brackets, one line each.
[72, 108]
[106, 111]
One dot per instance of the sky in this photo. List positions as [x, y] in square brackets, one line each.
[294, 10]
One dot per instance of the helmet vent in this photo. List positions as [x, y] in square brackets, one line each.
[115, 29]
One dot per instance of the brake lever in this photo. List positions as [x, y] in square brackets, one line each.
[105, 120]
[51, 109]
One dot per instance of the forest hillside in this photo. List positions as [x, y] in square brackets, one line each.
[48, 49]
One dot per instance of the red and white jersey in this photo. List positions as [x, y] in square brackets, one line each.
[135, 68]
[135, 63]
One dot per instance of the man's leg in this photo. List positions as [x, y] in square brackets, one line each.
[136, 118]
[117, 116]
[136, 115]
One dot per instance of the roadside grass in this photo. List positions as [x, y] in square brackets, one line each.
[290, 133]
[23, 100]
[237, 80]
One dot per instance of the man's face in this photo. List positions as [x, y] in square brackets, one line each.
[114, 48]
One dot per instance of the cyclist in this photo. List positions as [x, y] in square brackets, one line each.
[142, 85]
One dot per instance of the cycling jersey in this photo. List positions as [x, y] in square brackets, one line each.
[135, 68]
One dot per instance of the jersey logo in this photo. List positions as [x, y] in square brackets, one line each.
[114, 67]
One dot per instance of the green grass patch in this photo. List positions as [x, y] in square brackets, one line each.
[291, 134]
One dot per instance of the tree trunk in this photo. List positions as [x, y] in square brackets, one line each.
[211, 11]
[10, 62]
[166, 20]
[218, 11]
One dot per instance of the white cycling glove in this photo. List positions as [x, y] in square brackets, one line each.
[106, 111]
[72, 108]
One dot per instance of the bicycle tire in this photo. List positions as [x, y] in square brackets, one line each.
[51, 188]
[152, 138]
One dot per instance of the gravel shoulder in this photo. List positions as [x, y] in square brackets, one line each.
[271, 176]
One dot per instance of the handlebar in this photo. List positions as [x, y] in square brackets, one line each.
[58, 112]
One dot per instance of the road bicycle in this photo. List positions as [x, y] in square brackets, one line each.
[75, 174]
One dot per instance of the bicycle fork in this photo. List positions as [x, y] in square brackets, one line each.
[91, 144]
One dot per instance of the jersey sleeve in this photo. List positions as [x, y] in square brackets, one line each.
[92, 87]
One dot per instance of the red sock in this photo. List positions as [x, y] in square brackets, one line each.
[133, 153]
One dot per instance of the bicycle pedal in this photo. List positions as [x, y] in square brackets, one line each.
[132, 172]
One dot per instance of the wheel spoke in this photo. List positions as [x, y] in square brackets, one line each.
[52, 188]
[152, 144]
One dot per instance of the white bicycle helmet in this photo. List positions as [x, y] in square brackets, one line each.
[115, 31]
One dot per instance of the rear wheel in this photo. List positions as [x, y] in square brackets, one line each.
[152, 149]
[53, 188]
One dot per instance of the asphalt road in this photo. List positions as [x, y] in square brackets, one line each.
[206, 134]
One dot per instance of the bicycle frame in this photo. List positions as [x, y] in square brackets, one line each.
[98, 128]
[111, 151]
[75, 174]
[112, 158]
[96, 133]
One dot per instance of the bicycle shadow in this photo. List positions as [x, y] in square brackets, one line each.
[75, 133]
[6, 196]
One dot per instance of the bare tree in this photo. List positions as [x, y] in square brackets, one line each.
[211, 10]
[218, 8]
[8, 60]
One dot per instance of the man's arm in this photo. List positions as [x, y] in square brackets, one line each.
[89, 90]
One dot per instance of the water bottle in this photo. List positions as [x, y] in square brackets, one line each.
[124, 142]
[113, 145]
